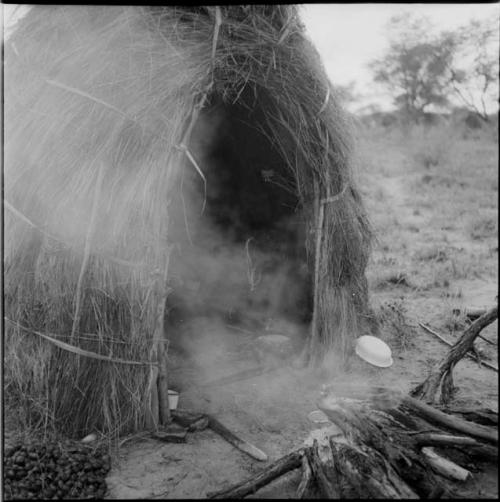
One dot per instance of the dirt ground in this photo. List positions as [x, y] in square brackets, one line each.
[432, 200]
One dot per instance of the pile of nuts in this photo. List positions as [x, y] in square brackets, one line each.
[55, 471]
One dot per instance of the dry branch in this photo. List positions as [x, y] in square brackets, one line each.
[271, 472]
[367, 470]
[468, 354]
[236, 441]
[441, 375]
[445, 467]
[483, 416]
[306, 479]
[376, 434]
[473, 447]
[323, 471]
[434, 415]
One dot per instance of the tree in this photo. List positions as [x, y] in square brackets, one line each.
[473, 72]
[416, 66]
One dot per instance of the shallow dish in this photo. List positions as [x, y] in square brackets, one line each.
[374, 351]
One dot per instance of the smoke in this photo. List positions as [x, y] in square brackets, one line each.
[228, 276]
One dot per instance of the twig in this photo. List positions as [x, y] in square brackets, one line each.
[325, 102]
[78, 350]
[237, 328]
[432, 332]
[184, 212]
[218, 22]
[84, 94]
[251, 270]
[241, 375]
[486, 340]
[189, 155]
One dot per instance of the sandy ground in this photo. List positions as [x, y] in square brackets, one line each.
[428, 226]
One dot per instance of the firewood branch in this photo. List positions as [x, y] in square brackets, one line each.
[440, 378]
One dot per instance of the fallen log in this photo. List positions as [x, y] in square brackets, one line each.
[452, 422]
[441, 377]
[473, 447]
[445, 467]
[483, 416]
[270, 473]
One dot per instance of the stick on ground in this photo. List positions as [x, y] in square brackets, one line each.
[436, 334]
[441, 377]
[271, 472]
[236, 441]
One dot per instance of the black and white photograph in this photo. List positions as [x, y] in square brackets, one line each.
[250, 251]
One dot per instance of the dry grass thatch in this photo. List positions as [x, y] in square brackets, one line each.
[100, 103]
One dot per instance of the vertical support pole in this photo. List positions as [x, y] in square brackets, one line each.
[319, 216]
[163, 406]
[159, 412]
[152, 417]
[162, 347]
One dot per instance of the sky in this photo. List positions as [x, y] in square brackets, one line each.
[349, 36]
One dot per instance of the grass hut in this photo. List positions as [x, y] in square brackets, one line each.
[138, 142]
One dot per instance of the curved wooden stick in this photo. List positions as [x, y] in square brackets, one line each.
[441, 375]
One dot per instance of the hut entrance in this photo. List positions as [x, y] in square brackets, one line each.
[243, 259]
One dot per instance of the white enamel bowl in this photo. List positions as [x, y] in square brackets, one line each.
[374, 351]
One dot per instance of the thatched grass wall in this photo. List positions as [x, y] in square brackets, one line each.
[100, 105]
